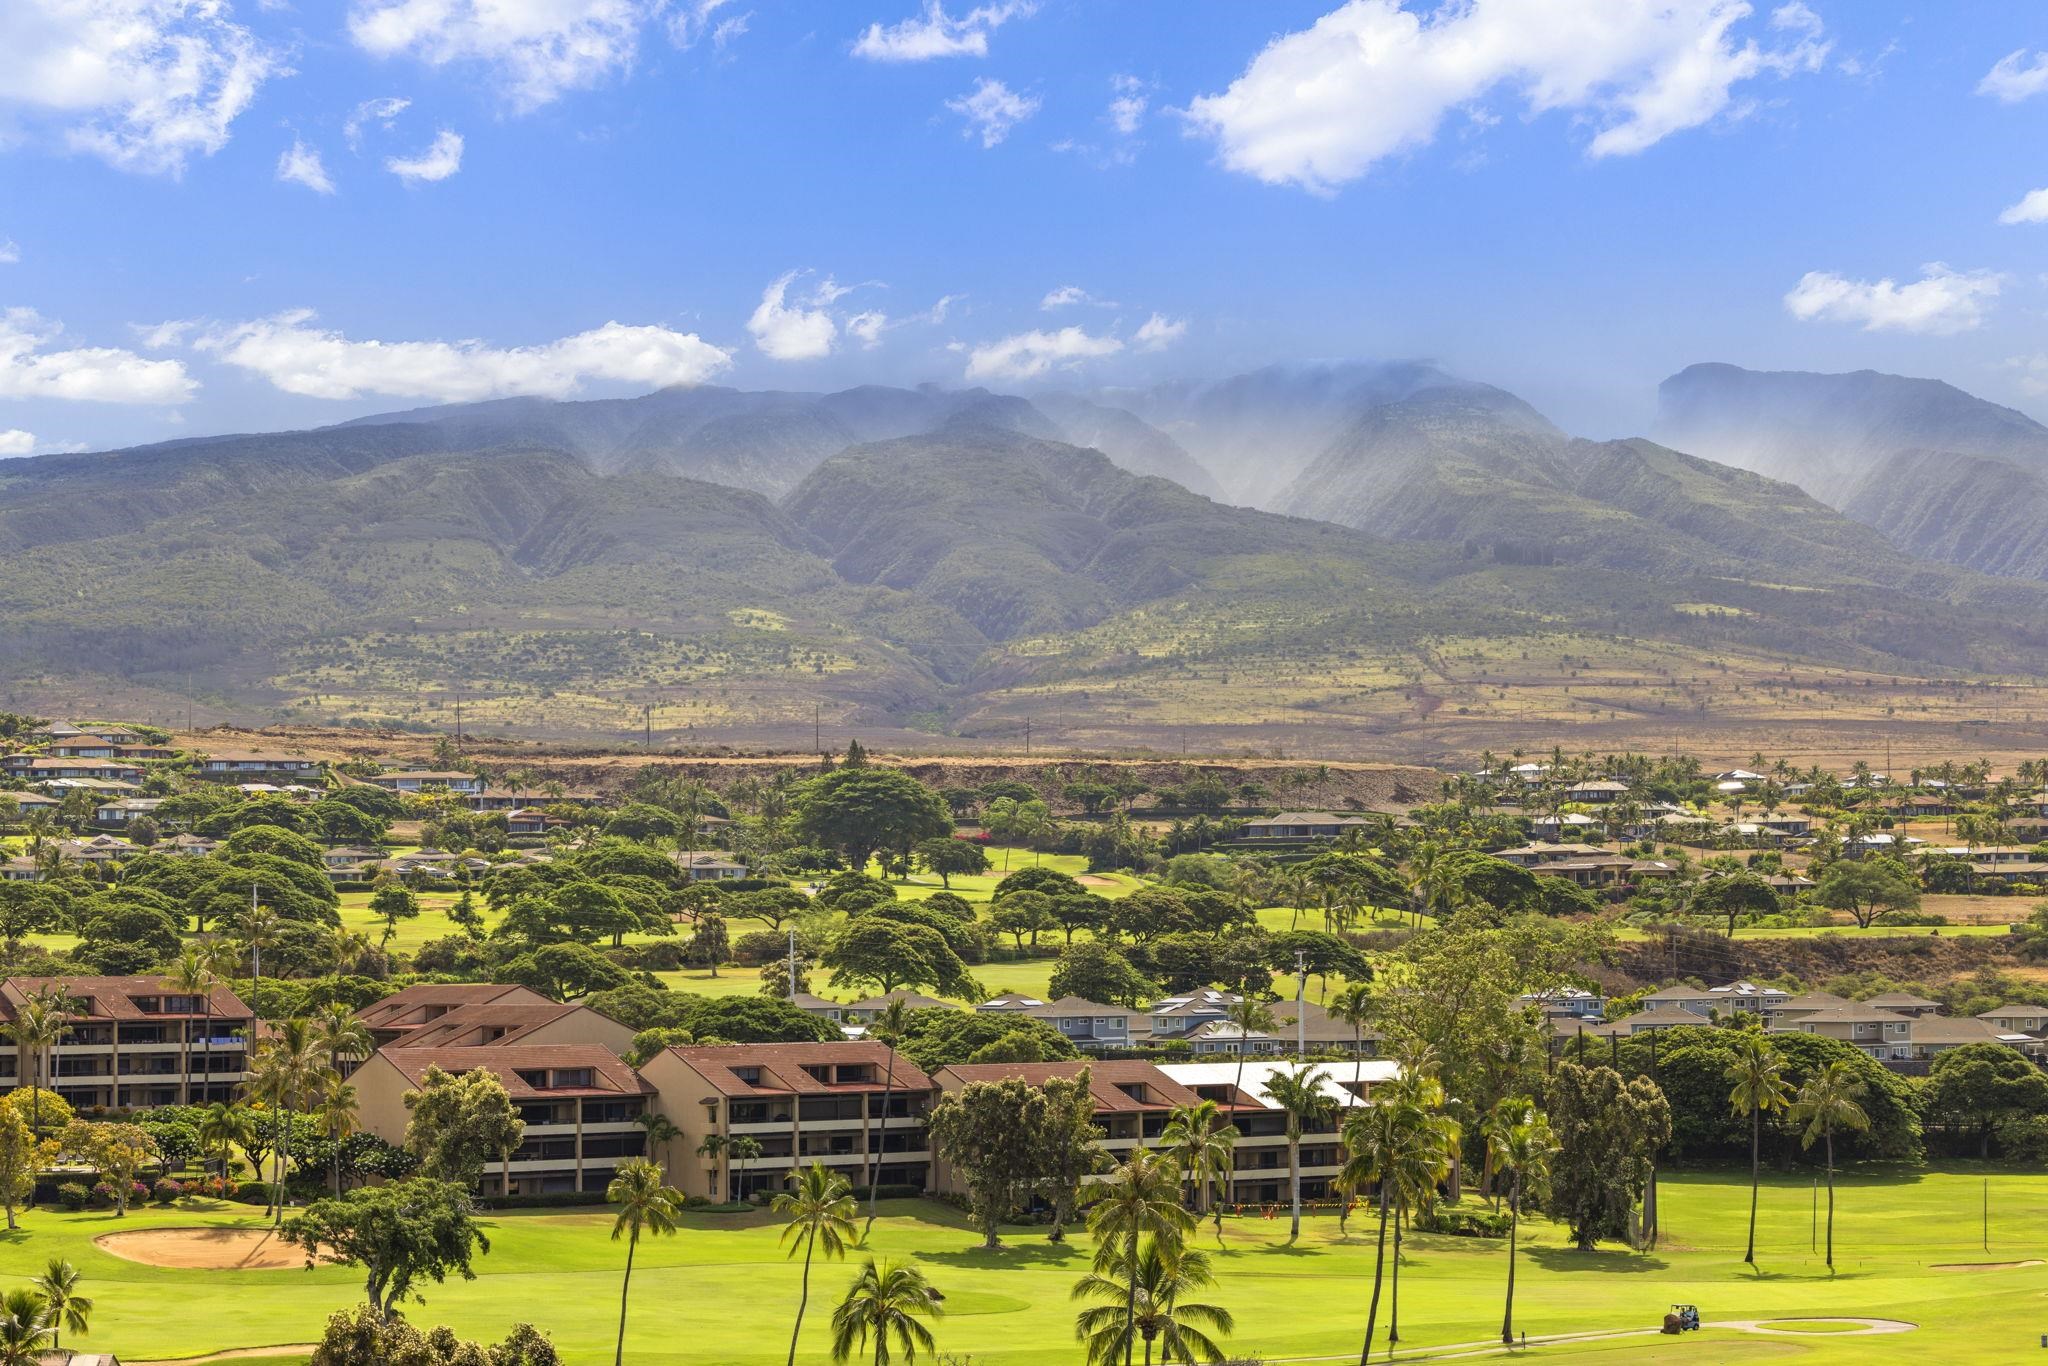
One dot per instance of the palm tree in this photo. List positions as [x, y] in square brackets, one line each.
[645, 1205]
[1181, 1330]
[225, 1124]
[258, 929]
[1300, 1096]
[1758, 1071]
[189, 975]
[661, 1131]
[38, 1024]
[342, 1037]
[1200, 1147]
[819, 1207]
[1522, 1149]
[885, 1301]
[1140, 1199]
[1826, 1103]
[737, 1151]
[1249, 1017]
[66, 1308]
[1403, 1143]
[888, 1026]
[24, 1328]
[338, 1115]
[287, 1072]
[220, 958]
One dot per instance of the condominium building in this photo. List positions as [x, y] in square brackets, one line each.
[581, 1104]
[426, 1003]
[840, 1104]
[133, 1042]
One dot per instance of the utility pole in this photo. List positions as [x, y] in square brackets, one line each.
[1300, 1002]
[1027, 737]
[458, 720]
[649, 710]
[818, 727]
[792, 962]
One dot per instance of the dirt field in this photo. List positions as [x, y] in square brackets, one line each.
[204, 1249]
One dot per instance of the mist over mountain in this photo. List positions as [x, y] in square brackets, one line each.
[960, 559]
[1829, 433]
[1257, 432]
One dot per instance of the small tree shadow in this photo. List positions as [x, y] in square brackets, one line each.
[1616, 1261]
[1037, 1254]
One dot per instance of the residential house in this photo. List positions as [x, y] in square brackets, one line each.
[1567, 1002]
[249, 764]
[581, 1104]
[42, 769]
[2017, 1019]
[430, 780]
[1083, 1023]
[1321, 1031]
[1176, 1017]
[1597, 793]
[120, 813]
[1877, 1032]
[844, 1105]
[20, 870]
[526, 821]
[863, 1012]
[82, 747]
[133, 1042]
[711, 865]
[1301, 827]
[1711, 1000]
[488, 798]
[1905, 1003]
[1221, 1036]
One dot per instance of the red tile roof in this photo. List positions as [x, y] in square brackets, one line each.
[113, 998]
[1106, 1078]
[782, 1067]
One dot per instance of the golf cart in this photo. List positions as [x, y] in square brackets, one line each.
[1683, 1318]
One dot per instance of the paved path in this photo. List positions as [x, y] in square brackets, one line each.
[1492, 1346]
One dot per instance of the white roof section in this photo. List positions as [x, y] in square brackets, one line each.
[1373, 1071]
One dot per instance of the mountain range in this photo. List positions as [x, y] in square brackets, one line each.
[1301, 550]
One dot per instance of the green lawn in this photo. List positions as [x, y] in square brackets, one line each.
[1010, 1308]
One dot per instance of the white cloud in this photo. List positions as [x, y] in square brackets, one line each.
[381, 111]
[992, 109]
[98, 374]
[1159, 332]
[1031, 354]
[793, 332]
[2015, 78]
[1370, 79]
[439, 161]
[730, 30]
[1127, 109]
[10, 252]
[1066, 296]
[2032, 208]
[2033, 371]
[142, 84]
[164, 335]
[1940, 302]
[934, 33]
[867, 328]
[15, 441]
[1798, 18]
[301, 165]
[694, 20]
[535, 50]
[300, 358]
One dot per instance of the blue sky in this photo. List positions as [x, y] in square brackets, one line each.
[218, 216]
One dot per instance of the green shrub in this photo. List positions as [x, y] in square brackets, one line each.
[74, 1195]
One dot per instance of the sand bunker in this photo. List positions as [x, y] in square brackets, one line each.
[1984, 1266]
[1091, 880]
[205, 1249]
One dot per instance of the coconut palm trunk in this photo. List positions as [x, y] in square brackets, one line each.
[1507, 1318]
[625, 1287]
[1394, 1291]
[1831, 1200]
[881, 1140]
[1294, 1186]
[1756, 1132]
[1379, 1264]
[803, 1298]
